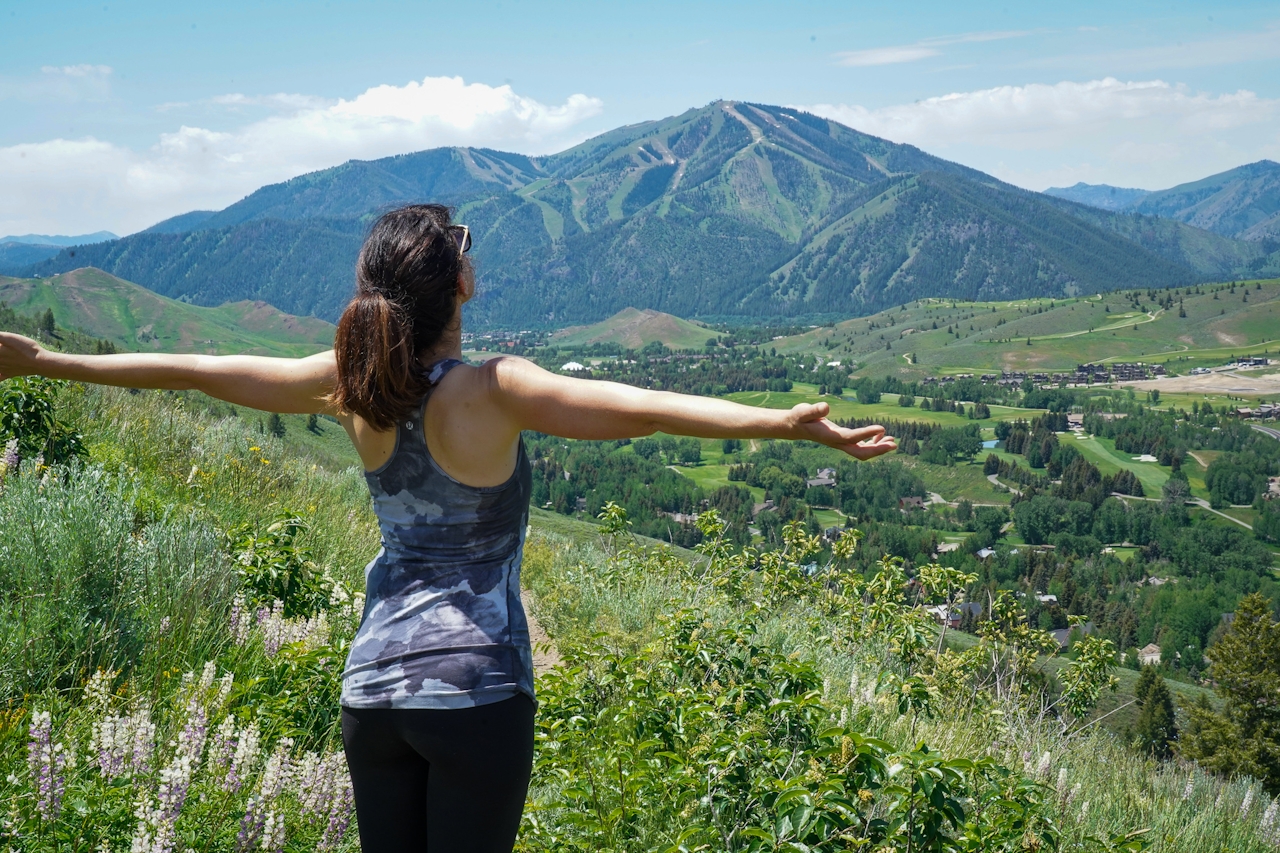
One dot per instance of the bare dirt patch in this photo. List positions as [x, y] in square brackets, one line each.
[1225, 382]
[545, 655]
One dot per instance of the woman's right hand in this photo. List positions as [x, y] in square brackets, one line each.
[18, 355]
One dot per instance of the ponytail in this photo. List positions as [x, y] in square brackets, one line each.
[406, 297]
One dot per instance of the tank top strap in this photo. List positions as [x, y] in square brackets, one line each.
[437, 371]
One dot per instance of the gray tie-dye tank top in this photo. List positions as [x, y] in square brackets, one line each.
[443, 625]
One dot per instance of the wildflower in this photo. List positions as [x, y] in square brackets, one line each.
[240, 622]
[47, 761]
[1073, 793]
[222, 747]
[1084, 810]
[1248, 802]
[224, 689]
[1042, 769]
[97, 690]
[339, 817]
[1062, 781]
[259, 814]
[207, 675]
[272, 832]
[10, 458]
[1268, 819]
[243, 760]
[164, 626]
[1189, 787]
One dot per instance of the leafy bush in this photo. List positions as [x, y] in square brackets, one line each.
[273, 567]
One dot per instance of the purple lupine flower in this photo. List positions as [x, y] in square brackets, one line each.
[10, 458]
[222, 747]
[339, 818]
[240, 621]
[260, 811]
[272, 833]
[47, 761]
[242, 761]
[251, 825]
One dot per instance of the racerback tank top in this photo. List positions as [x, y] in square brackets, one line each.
[443, 625]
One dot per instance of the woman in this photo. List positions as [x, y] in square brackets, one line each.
[437, 694]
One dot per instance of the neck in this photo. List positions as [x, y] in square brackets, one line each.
[449, 345]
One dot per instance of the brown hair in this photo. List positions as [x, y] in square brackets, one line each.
[406, 296]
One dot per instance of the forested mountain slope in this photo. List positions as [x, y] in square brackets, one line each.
[1243, 202]
[733, 209]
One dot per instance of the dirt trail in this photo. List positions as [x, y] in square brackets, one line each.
[545, 655]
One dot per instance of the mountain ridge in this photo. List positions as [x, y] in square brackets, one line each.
[733, 209]
[1243, 203]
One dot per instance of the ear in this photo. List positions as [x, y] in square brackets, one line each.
[466, 285]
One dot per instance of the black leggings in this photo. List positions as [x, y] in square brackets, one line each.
[442, 781]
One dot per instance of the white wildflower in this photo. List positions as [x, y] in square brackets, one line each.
[1247, 803]
[1189, 788]
[207, 675]
[1268, 819]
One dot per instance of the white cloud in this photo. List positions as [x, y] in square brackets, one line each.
[886, 55]
[71, 186]
[922, 49]
[1147, 133]
[278, 101]
[78, 70]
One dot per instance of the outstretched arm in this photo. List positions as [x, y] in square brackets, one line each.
[535, 399]
[271, 384]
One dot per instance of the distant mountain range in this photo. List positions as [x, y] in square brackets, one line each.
[731, 210]
[18, 252]
[1243, 202]
[137, 319]
[1104, 196]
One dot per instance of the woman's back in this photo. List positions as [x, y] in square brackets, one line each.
[443, 624]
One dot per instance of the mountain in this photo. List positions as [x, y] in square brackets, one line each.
[730, 210]
[135, 318]
[17, 253]
[181, 223]
[633, 328]
[57, 240]
[1099, 195]
[1243, 202]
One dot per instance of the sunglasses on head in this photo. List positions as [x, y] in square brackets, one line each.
[462, 236]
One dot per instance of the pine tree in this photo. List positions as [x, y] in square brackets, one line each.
[1244, 738]
[275, 425]
[47, 325]
[1156, 727]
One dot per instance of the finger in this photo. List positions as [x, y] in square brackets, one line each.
[866, 433]
[809, 412]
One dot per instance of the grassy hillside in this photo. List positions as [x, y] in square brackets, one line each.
[936, 337]
[134, 318]
[633, 328]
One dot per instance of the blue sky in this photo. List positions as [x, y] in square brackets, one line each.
[119, 114]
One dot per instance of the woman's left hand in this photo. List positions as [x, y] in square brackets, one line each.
[864, 443]
[18, 355]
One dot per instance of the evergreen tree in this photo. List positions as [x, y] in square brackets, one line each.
[1244, 738]
[313, 423]
[275, 425]
[47, 325]
[1156, 727]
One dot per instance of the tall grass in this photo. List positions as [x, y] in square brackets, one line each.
[1097, 785]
